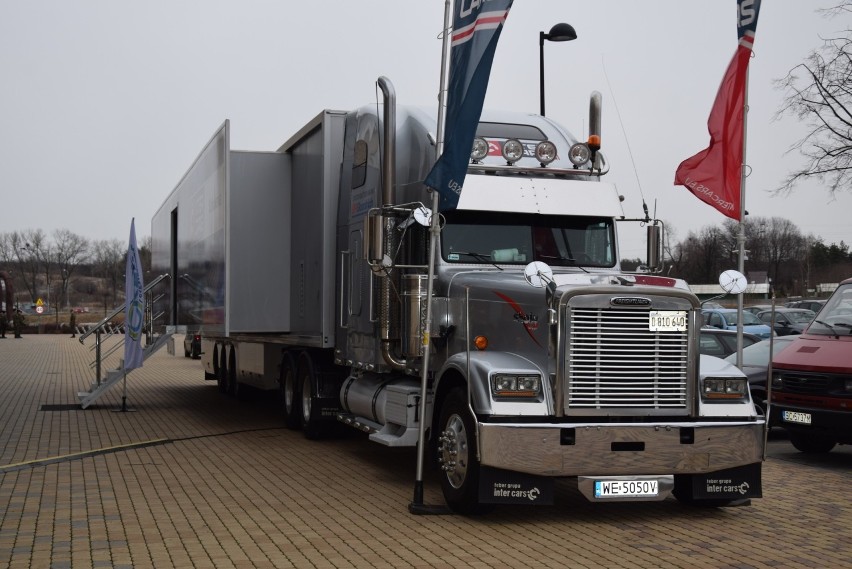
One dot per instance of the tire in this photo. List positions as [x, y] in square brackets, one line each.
[222, 370]
[811, 444]
[291, 403]
[233, 384]
[312, 426]
[456, 454]
[759, 398]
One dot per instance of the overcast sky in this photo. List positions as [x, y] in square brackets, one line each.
[104, 104]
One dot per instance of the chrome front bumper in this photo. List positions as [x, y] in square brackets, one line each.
[620, 449]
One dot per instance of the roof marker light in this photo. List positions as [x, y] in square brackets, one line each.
[545, 152]
[579, 154]
[513, 150]
[479, 151]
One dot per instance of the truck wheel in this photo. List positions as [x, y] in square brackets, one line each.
[221, 370]
[312, 427]
[457, 454]
[811, 445]
[290, 397]
[233, 384]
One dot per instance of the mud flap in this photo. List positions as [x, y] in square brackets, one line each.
[497, 486]
[732, 484]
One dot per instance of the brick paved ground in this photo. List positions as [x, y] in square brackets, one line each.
[214, 482]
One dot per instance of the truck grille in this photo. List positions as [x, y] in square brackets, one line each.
[615, 362]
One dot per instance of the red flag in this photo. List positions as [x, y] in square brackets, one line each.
[714, 174]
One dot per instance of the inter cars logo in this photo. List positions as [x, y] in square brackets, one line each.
[630, 301]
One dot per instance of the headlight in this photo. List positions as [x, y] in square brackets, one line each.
[514, 385]
[725, 388]
[480, 149]
[513, 150]
[777, 382]
[545, 152]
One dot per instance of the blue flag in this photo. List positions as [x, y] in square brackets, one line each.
[476, 28]
[134, 313]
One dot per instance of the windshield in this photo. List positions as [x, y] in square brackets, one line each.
[803, 317]
[517, 239]
[835, 318]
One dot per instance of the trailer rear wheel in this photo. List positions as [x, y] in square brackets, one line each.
[221, 369]
[312, 426]
[457, 455]
[290, 397]
[233, 384]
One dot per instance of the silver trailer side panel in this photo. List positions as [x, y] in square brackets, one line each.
[258, 245]
[316, 153]
[188, 241]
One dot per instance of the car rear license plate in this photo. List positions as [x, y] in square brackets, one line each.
[796, 417]
[667, 321]
[626, 488]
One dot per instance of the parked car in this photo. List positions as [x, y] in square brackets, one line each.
[726, 319]
[788, 321]
[814, 304]
[722, 343]
[711, 304]
[192, 345]
[756, 365]
[758, 308]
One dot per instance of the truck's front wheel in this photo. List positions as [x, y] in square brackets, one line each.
[457, 454]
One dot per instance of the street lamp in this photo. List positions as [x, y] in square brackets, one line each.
[559, 32]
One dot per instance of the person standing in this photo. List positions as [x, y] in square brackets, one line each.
[3, 323]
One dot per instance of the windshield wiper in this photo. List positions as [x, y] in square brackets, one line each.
[479, 257]
[571, 260]
[833, 329]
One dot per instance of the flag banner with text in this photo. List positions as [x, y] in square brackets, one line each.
[476, 28]
[714, 175]
[134, 313]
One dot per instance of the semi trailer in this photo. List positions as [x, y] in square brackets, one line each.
[305, 270]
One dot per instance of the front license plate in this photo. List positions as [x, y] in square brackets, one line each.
[667, 321]
[626, 488]
[796, 417]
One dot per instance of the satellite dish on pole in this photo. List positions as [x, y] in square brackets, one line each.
[733, 282]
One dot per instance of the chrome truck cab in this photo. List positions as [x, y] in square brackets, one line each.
[547, 361]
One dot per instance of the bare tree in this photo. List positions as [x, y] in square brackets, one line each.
[108, 257]
[26, 246]
[71, 251]
[818, 92]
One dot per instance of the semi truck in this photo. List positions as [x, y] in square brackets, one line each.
[306, 271]
[811, 395]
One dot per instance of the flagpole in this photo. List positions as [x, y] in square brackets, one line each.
[741, 229]
[416, 506]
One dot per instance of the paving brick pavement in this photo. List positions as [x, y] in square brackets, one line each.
[191, 478]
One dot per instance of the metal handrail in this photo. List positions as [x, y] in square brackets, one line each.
[120, 309]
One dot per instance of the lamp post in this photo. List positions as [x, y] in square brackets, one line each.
[559, 32]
